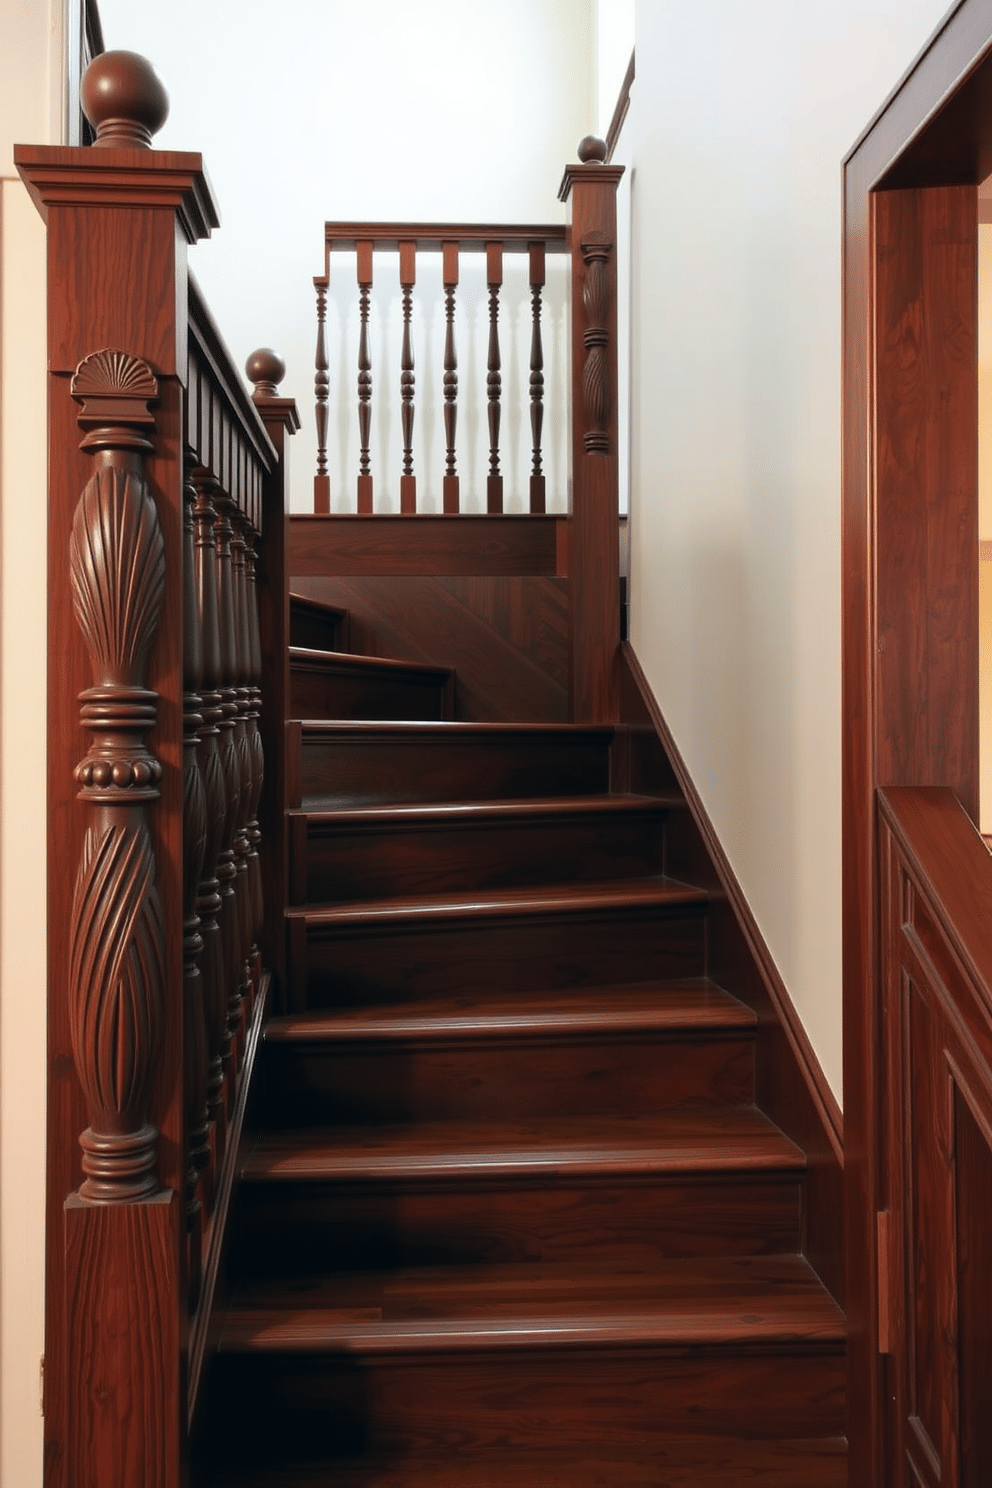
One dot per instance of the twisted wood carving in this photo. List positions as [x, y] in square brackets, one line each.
[117, 945]
[596, 251]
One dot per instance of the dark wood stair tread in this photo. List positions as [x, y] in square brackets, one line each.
[319, 607]
[735, 1140]
[348, 662]
[726, 1302]
[552, 899]
[682, 1462]
[683, 1008]
[418, 730]
[454, 813]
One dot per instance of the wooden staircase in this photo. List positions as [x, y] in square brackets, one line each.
[507, 1210]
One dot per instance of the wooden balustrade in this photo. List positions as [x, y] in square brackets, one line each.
[366, 241]
[167, 596]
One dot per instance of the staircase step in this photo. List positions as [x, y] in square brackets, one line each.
[354, 763]
[459, 1058]
[685, 1462]
[363, 852]
[552, 936]
[663, 1145]
[751, 1301]
[339, 684]
[316, 625]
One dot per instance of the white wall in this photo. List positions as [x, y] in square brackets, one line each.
[416, 110]
[31, 96]
[742, 114]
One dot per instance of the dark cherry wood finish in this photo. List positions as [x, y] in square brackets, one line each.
[909, 646]
[155, 453]
[505, 1164]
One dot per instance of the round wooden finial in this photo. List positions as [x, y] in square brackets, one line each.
[266, 369]
[123, 98]
[592, 150]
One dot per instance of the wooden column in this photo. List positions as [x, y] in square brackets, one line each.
[321, 388]
[120, 216]
[590, 190]
[408, 278]
[450, 489]
[266, 369]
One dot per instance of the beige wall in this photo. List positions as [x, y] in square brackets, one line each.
[742, 114]
[31, 93]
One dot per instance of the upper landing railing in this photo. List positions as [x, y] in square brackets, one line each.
[357, 428]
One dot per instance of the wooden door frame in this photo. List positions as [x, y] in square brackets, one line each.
[910, 463]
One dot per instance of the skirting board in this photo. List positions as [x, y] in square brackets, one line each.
[791, 1086]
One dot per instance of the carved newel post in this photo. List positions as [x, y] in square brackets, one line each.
[116, 969]
[590, 191]
[124, 989]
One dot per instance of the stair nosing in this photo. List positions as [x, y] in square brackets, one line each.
[328, 661]
[494, 904]
[523, 808]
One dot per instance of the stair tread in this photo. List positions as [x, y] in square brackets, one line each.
[683, 1462]
[726, 1301]
[699, 1140]
[321, 607]
[685, 1007]
[636, 893]
[444, 813]
[417, 729]
[351, 661]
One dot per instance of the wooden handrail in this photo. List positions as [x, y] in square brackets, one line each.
[165, 518]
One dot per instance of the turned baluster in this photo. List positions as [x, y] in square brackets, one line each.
[537, 278]
[194, 847]
[258, 754]
[408, 277]
[450, 497]
[364, 377]
[242, 847]
[494, 279]
[209, 903]
[227, 871]
[321, 387]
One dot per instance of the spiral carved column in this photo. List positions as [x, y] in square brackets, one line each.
[117, 950]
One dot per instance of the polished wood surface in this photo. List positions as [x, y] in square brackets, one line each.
[908, 525]
[589, 190]
[506, 1127]
[461, 546]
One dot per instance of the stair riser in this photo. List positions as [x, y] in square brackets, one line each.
[335, 864]
[347, 1227]
[355, 1085]
[449, 770]
[387, 962]
[324, 632]
[313, 694]
[466, 1403]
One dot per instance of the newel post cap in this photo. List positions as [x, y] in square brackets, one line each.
[124, 99]
[592, 150]
[266, 369]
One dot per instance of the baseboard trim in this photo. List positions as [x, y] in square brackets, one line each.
[819, 1129]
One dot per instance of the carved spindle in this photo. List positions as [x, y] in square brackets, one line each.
[117, 950]
[209, 903]
[494, 279]
[321, 388]
[364, 377]
[596, 249]
[255, 738]
[537, 277]
[194, 846]
[227, 871]
[243, 750]
[408, 277]
[122, 96]
[450, 498]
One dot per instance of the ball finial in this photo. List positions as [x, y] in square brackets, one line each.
[266, 369]
[123, 98]
[592, 150]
